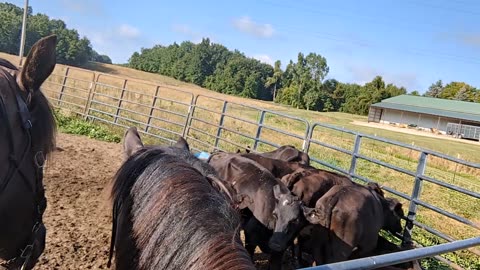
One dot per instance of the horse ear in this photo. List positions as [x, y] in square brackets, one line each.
[131, 142]
[182, 144]
[39, 64]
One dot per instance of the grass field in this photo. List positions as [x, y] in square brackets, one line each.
[242, 116]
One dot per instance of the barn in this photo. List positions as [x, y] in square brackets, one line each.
[425, 112]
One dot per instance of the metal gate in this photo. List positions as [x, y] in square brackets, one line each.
[437, 189]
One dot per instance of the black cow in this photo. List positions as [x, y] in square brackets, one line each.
[272, 215]
[286, 153]
[348, 220]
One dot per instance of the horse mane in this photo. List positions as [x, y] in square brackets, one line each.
[44, 126]
[170, 211]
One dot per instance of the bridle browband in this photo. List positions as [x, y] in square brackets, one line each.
[14, 169]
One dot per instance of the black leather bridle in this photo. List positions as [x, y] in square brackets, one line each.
[24, 257]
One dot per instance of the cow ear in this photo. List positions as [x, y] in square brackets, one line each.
[182, 144]
[277, 192]
[291, 179]
[243, 201]
[311, 214]
[376, 187]
[396, 207]
[131, 142]
[39, 64]
[399, 210]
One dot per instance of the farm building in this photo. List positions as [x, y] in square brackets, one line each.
[425, 112]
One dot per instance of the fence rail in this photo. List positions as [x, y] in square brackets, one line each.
[398, 257]
[210, 123]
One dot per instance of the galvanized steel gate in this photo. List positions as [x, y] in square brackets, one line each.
[164, 112]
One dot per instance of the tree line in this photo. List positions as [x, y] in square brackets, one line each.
[71, 48]
[209, 65]
[302, 84]
[454, 90]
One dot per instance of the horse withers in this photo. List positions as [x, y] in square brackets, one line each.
[170, 214]
[27, 136]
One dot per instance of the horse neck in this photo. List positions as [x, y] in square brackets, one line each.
[222, 253]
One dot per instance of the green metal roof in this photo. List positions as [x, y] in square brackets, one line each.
[434, 106]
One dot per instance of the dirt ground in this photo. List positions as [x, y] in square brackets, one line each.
[78, 214]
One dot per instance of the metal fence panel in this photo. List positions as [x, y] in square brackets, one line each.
[417, 176]
[220, 124]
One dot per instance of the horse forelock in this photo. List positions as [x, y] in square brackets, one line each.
[173, 208]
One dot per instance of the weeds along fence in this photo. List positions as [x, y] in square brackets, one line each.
[440, 193]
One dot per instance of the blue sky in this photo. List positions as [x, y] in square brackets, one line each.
[410, 42]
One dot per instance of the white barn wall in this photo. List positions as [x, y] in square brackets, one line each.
[421, 120]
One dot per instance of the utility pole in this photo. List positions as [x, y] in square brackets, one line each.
[24, 25]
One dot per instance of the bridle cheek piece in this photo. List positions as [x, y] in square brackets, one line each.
[23, 260]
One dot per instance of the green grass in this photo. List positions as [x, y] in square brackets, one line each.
[78, 126]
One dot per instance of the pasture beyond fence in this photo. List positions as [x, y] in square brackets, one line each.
[440, 193]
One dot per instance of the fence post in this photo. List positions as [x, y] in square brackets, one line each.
[91, 94]
[190, 114]
[152, 108]
[412, 209]
[356, 148]
[120, 101]
[220, 125]
[259, 130]
[306, 143]
[64, 82]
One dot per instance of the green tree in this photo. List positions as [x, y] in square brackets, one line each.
[435, 89]
[463, 94]
[71, 48]
[458, 91]
[414, 93]
[275, 79]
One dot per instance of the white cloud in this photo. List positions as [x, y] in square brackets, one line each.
[182, 29]
[117, 41]
[364, 74]
[471, 39]
[128, 31]
[194, 36]
[86, 7]
[246, 25]
[264, 58]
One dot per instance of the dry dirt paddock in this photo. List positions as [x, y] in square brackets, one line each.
[78, 214]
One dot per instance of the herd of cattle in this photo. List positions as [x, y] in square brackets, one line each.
[162, 219]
